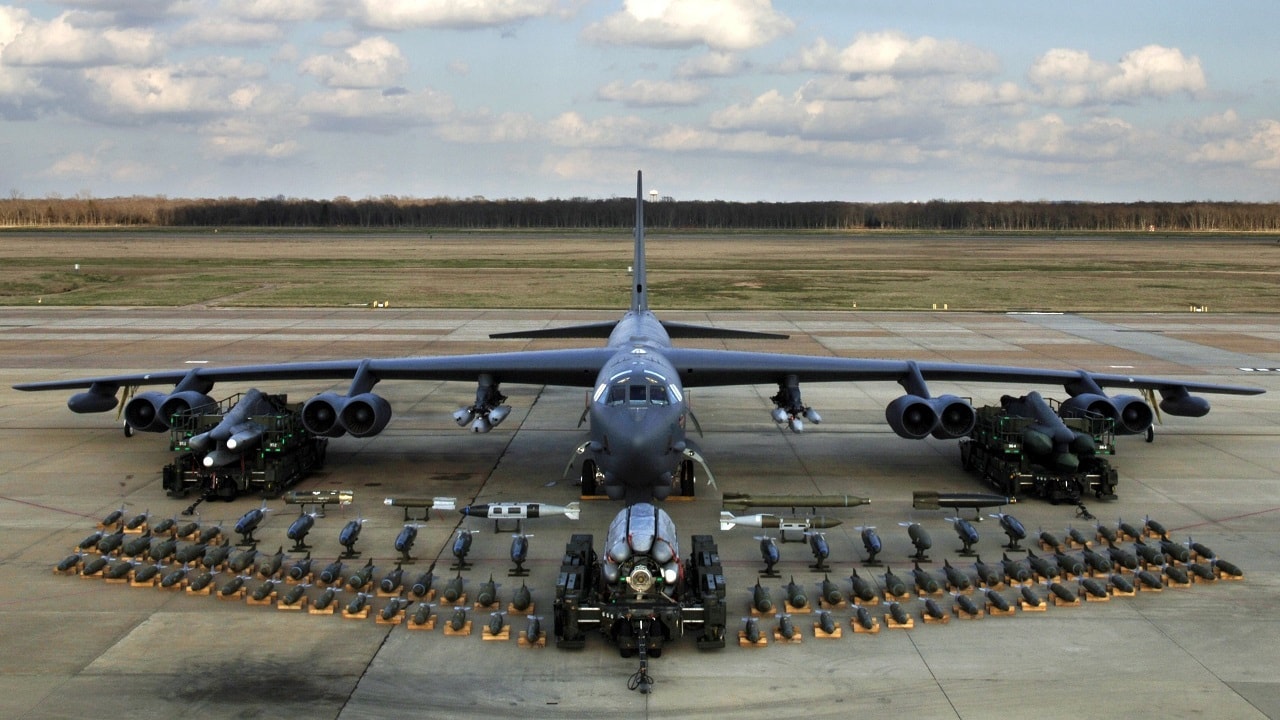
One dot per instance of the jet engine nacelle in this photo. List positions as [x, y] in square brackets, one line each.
[96, 399]
[365, 414]
[150, 411]
[911, 416]
[1131, 414]
[946, 417]
[956, 417]
[320, 415]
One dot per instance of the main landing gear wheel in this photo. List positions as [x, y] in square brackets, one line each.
[687, 487]
[589, 487]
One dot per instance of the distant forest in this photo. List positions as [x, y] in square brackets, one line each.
[393, 213]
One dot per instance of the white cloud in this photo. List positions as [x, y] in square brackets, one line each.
[894, 53]
[226, 31]
[1071, 78]
[1050, 137]
[62, 42]
[206, 88]
[371, 63]
[570, 129]
[281, 10]
[1157, 72]
[712, 64]
[459, 14]
[361, 110]
[718, 24]
[1258, 147]
[483, 127]
[653, 93]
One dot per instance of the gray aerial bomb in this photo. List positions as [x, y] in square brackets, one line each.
[69, 562]
[117, 569]
[393, 608]
[1030, 598]
[200, 581]
[458, 620]
[189, 553]
[861, 589]
[769, 553]
[137, 546]
[362, 577]
[1149, 580]
[325, 599]
[392, 580]
[232, 586]
[925, 582]
[919, 539]
[270, 565]
[996, 600]
[299, 529]
[294, 594]
[966, 604]
[1174, 550]
[174, 577]
[1015, 570]
[1122, 558]
[1013, 529]
[1062, 592]
[821, 550]
[831, 592]
[760, 599]
[746, 500]
[1096, 562]
[1121, 583]
[163, 549]
[987, 575]
[1149, 555]
[1070, 564]
[91, 540]
[332, 573]
[751, 630]
[94, 565]
[1050, 540]
[893, 584]
[826, 623]
[113, 517]
[242, 560]
[933, 610]
[956, 578]
[795, 594]
[249, 522]
[453, 588]
[786, 628]
[871, 543]
[422, 614]
[357, 604]
[497, 621]
[862, 617]
[301, 568]
[1042, 566]
[1125, 528]
[1093, 587]
[966, 532]
[264, 590]
[898, 614]
[1078, 537]
[422, 585]
[522, 600]
[349, 535]
[487, 595]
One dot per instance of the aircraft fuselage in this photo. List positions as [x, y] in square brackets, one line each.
[637, 413]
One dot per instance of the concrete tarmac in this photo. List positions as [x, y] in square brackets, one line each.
[81, 647]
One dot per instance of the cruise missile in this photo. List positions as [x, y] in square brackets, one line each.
[728, 521]
[932, 500]
[318, 497]
[743, 501]
[227, 441]
[432, 503]
[519, 510]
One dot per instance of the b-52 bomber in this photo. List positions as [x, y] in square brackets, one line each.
[637, 448]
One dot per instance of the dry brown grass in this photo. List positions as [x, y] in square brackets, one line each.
[698, 271]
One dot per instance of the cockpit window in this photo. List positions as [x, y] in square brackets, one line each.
[637, 390]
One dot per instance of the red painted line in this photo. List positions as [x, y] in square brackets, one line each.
[1226, 519]
[47, 507]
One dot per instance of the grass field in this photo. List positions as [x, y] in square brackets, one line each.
[686, 270]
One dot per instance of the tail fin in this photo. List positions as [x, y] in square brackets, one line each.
[639, 298]
[572, 511]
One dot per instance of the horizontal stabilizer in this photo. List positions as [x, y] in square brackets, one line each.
[684, 330]
[590, 330]
[674, 330]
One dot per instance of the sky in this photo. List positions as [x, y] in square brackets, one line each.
[714, 99]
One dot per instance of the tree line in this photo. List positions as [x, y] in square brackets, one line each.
[390, 212]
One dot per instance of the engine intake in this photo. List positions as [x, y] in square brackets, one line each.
[911, 416]
[364, 415]
[1131, 414]
[320, 415]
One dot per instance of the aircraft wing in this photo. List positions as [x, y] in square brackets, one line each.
[575, 368]
[700, 367]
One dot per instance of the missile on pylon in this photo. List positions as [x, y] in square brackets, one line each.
[742, 501]
[774, 522]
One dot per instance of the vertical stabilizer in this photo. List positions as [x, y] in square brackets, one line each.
[639, 291]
